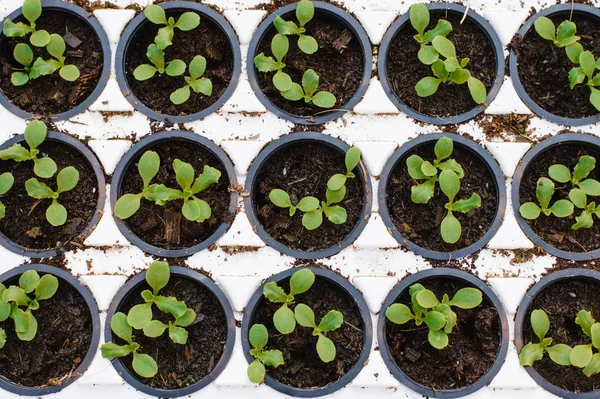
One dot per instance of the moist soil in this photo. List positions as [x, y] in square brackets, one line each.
[165, 226]
[405, 70]
[557, 231]
[180, 366]
[472, 349]
[25, 221]
[544, 69]
[52, 94]
[420, 223]
[62, 341]
[340, 70]
[562, 301]
[302, 170]
[207, 40]
[303, 368]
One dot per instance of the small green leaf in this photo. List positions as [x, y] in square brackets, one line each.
[544, 191]
[188, 21]
[56, 214]
[180, 95]
[449, 184]
[29, 281]
[164, 37]
[280, 45]
[140, 315]
[178, 335]
[581, 355]
[399, 313]
[188, 318]
[422, 193]
[294, 94]
[325, 349]
[451, 229]
[560, 173]
[428, 55]
[197, 67]
[419, 17]
[585, 320]
[443, 148]
[333, 197]
[560, 354]
[273, 358]
[56, 46]
[442, 28]
[144, 365]
[258, 336]
[444, 46]
[19, 29]
[184, 173]
[587, 63]
[477, 89]
[46, 288]
[266, 64]
[144, 72]
[595, 98]
[593, 366]
[280, 198]
[112, 351]
[583, 168]
[562, 208]
[282, 81]
[67, 179]
[438, 339]
[435, 320]
[310, 82]
[336, 214]
[202, 85]
[590, 187]
[578, 198]
[175, 68]
[119, 325]
[530, 354]
[305, 316]
[127, 205]
[308, 204]
[529, 210]
[274, 293]
[19, 78]
[157, 275]
[148, 166]
[31, 331]
[256, 372]
[170, 305]
[336, 182]
[23, 54]
[40, 38]
[205, 211]
[21, 319]
[540, 323]
[305, 12]
[44, 167]
[427, 299]
[576, 76]
[428, 169]
[427, 86]
[466, 205]
[2, 338]
[595, 335]
[573, 51]
[4, 310]
[154, 329]
[565, 32]
[466, 298]
[284, 320]
[414, 165]
[324, 99]
[307, 44]
[190, 210]
[16, 295]
[37, 189]
[286, 27]
[312, 220]
[301, 281]
[545, 28]
[155, 14]
[331, 321]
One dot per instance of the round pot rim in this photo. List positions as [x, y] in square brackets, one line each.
[280, 143]
[359, 33]
[93, 23]
[365, 314]
[441, 273]
[98, 172]
[95, 317]
[207, 283]
[487, 29]
[125, 163]
[535, 151]
[127, 37]
[477, 150]
[545, 282]
[514, 70]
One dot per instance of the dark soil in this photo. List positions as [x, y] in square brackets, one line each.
[301, 170]
[207, 40]
[544, 69]
[405, 70]
[181, 365]
[472, 349]
[25, 221]
[62, 341]
[557, 231]
[303, 368]
[562, 301]
[52, 94]
[340, 71]
[165, 226]
[420, 223]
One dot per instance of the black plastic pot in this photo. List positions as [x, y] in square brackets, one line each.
[95, 164]
[451, 274]
[89, 18]
[201, 279]
[559, 9]
[251, 181]
[138, 22]
[568, 138]
[67, 277]
[333, 12]
[141, 146]
[367, 328]
[477, 150]
[455, 9]
[520, 321]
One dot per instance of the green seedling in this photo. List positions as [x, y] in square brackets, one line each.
[584, 220]
[194, 82]
[32, 10]
[279, 47]
[308, 91]
[6, 183]
[563, 37]
[35, 134]
[300, 282]
[420, 169]
[438, 316]
[56, 48]
[588, 65]
[164, 38]
[351, 161]
[24, 56]
[304, 13]
[157, 59]
[419, 19]
[16, 303]
[258, 337]
[584, 167]
[544, 192]
[330, 322]
[66, 180]
[451, 228]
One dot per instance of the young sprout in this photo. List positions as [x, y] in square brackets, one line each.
[304, 13]
[32, 10]
[16, 303]
[35, 134]
[56, 48]
[586, 164]
[157, 57]
[300, 282]
[587, 69]
[164, 38]
[66, 180]
[544, 192]
[351, 160]
[258, 337]
[451, 228]
[584, 220]
[562, 37]
[308, 91]
[194, 209]
[195, 82]
[24, 56]
[332, 321]
[419, 19]
[279, 47]
[439, 317]
[6, 183]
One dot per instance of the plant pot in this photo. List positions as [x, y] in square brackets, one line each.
[87, 301]
[337, 284]
[71, 148]
[361, 48]
[138, 283]
[468, 149]
[462, 279]
[274, 154]
[223, 87]
[574, 278]
[87, 25]
[587, 114]
[175, 142]
[565, 144]
[479, 26]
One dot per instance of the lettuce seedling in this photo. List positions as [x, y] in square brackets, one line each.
[420, 169]
[24, 56]
[304, 13]
[308, 91]
[195, 82]
[66, 180]
[439, 317]
[32, 10]
[419, 19]
[164, 38]
[451, 228]
[586, 164]
[300, 282]
[16, 303]
[279, 47]
[330, 322]
[6, 183]
[35, 134]
[157, 58]
[351, 161]
[544, 191]
[56, 48]
[563, 37]
[258, 337]
[584, 220]
[587, 69]
[194, 209]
